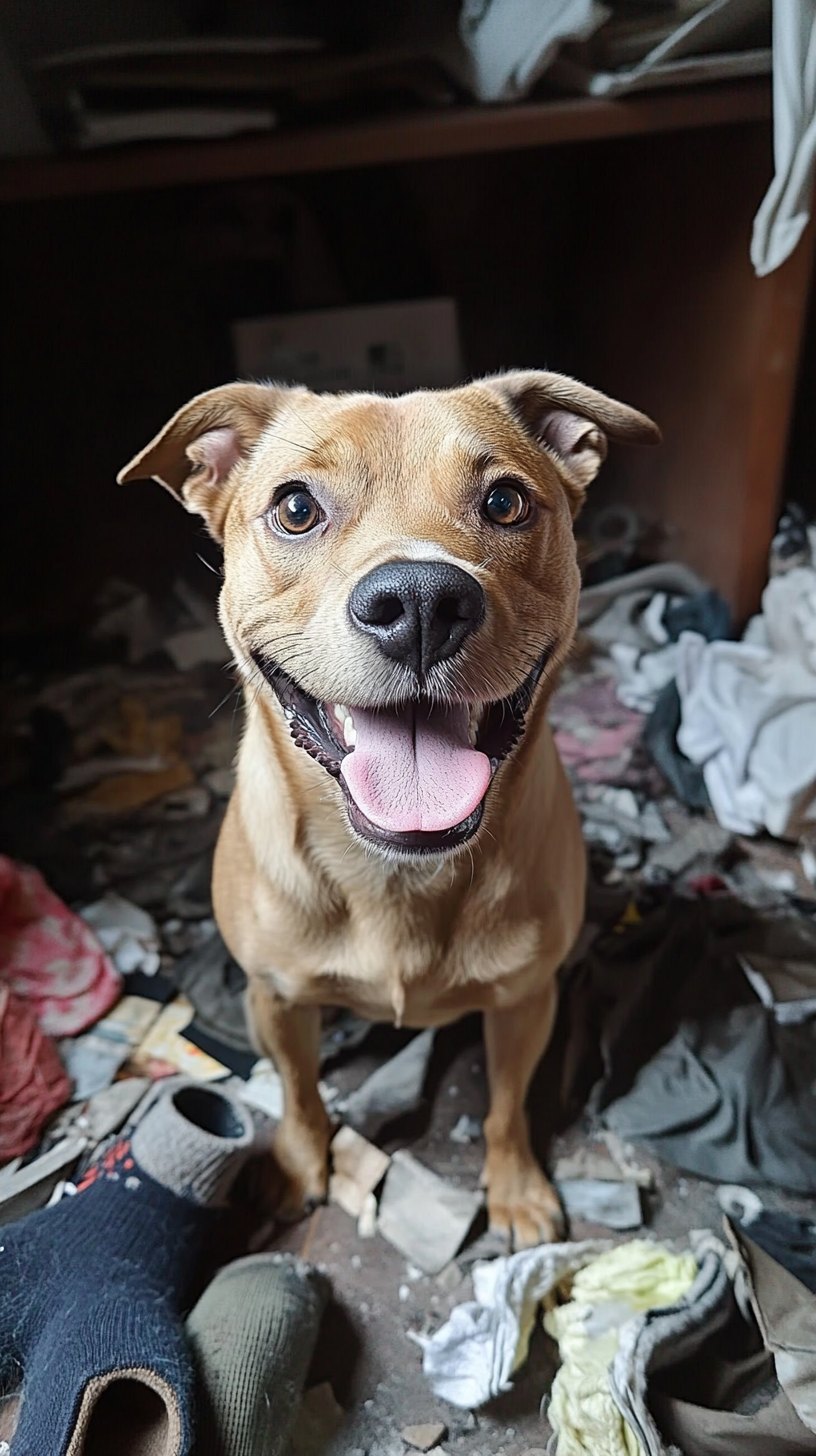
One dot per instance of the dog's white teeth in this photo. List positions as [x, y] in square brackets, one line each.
[474, 723]
[349, 731]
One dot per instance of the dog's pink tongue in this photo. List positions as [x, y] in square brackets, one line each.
[413, 768]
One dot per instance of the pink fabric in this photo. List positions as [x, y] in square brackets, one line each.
[49, 956]
[594, 732]
[607, 752]
[33, 1081]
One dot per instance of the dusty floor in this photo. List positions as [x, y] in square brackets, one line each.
[365, 1350]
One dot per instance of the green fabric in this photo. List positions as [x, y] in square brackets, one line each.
[253, 1333]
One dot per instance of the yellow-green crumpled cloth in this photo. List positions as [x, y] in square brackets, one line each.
[605, 1294]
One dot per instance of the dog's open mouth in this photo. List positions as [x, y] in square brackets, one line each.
[414, 776]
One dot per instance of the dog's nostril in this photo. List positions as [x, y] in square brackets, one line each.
[384, 611]
[449, 609]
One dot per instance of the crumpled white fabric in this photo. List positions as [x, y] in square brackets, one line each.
[472, 1357]
[642, 675]
[784, 211]
[510, 43]
[127, 932]
[789, 615]
[748, 712]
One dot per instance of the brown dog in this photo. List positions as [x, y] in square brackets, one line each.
[400, 589]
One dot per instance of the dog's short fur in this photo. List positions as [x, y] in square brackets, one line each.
[399, 912]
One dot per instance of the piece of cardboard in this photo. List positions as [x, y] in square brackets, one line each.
[422, 1215]
[358, 1166]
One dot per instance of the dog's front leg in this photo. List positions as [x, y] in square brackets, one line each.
[290, 1035]
[520, 1200]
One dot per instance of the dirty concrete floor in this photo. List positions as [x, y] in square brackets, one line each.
[365, 1349]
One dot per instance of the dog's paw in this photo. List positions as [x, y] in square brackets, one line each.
[521, 1203]
[299, 1171]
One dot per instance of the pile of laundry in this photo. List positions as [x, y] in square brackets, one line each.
[728, 727]
[711, 1349]
[691, 1029]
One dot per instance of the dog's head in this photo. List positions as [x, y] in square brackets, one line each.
[400, 571]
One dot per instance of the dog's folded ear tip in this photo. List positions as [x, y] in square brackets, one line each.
[647, 433]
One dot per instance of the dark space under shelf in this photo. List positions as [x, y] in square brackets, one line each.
[431, 134]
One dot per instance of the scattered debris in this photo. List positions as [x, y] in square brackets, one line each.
[450, 1277]
[424, 1217]
[127, 932]
[164, 1050]
[392, 1090]
[199, 644]
[93, 770]
[367, 1221]
[220, 781]
[22, 1189]
[216, 986]
[585, 1162]
[342, 1032]
[614, 1164]
[616, 1205]
[187, 803]
[701, 838]
[125, 792]
[264, 1090]
[357, 1168]
[466, 1130]
[424, 1437]
[318, 1419]
[105, 1112]
[742, 1204]
[93, 1059]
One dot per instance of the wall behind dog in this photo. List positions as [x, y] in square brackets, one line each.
[624, 263]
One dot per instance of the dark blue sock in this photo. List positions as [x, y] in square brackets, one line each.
[92, 1291]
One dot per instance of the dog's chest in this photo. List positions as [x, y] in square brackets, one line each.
[410, 969]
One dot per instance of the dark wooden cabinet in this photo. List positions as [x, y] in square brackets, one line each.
[605, 239]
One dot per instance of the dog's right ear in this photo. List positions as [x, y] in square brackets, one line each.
[197, 452]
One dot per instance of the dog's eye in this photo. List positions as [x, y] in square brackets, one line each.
[506, 504]
[296, 512]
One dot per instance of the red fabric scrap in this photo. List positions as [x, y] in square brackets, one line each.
[49, 956]
[33, 1081]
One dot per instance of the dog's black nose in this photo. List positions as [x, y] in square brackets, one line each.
[420, 612]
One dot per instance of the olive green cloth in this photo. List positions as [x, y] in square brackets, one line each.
[253, 1333]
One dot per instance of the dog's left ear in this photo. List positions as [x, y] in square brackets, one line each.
[196, 454]
[570, 420]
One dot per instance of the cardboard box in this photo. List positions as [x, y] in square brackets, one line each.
[388, 347]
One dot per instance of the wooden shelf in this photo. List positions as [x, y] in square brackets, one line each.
[467, 130]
